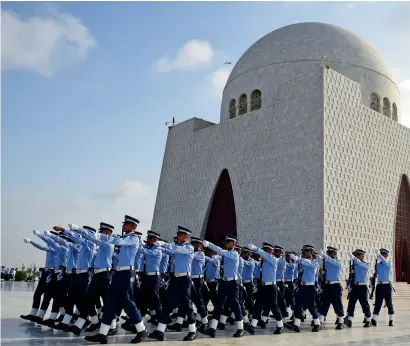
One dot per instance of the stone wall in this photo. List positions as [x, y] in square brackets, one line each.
[366, 155]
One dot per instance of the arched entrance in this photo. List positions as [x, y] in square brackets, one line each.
[402, 234]
[222, 215]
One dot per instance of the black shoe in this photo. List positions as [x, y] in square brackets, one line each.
[262, 324]
[316, 328]
[296, 329]
[37, 319]
[112, 331]
[59, 326]
[190, 336]
[176, 327]
[374, 322]
[211, 332]
[101, 338]
[202, 328]
[312, 323]
[156, 334]
[48, 323]
[93, 327]
[246, 326]
[129, 328]
[337, 321]
[289, 325]
[221, 326]
[391, 323]
[279, 330]
[339, 326]
[367, 325]
[185, 324]
[139, 337]
[125, 318]
[251, 329]
[28, 317]
[364, 320]
[239, 333]
[347, 322]
[75, 330]
[303, 318]
[231, 321]
[198, 323]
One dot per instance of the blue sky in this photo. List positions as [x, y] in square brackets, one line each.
[85, 101]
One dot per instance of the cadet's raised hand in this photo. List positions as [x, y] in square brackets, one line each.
[205, 243]
[35, 232]
[74, 227]
[26, 240]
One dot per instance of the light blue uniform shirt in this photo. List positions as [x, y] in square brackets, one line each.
[332, 268]
[115, 259]
[213, 267]
[383, 268]
[139, 261]
[230, 260]
[248, 269]
[73, 255]
[257, 270]
[240, 268]
[171, 261]
[129, 247]
[280, 270]
[184, 254]
[61, 251]
[152, 258]
[269, 266]
[290, 271]
[163, 265]
[296, 272]
[198, 263]
[50, 254]
[103, 256]
[360, 271]
[87, 251]
[309, 269]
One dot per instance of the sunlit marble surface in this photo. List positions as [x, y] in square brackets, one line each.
[16, 299]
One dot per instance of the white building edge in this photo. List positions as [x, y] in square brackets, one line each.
[308, 151]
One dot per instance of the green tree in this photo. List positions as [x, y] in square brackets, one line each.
[20, 276]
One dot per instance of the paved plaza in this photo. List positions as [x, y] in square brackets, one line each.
[16, 299]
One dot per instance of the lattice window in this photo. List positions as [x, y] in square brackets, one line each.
[243, 104]
[375, 102]
[394, 113]
[386, 107]
[256, 100]
[232, 109]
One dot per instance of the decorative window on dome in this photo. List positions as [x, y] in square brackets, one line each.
[243, 104]
[375, 102]
[394, 113]
[232, 109]
[256, 100]
[386, 107]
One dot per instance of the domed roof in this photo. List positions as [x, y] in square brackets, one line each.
[310, 42]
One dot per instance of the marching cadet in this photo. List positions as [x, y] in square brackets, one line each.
[359, 290]
[212, 270]
[179, 289]
[280, 280]
[43, 288]
[268, 291]
[305, 294]
[228, 291]
[197, 276]
[151, 280]
[139, 277]
[289, 286]
[120, 290]
[247, 280]
[99, 281]
[384, 287]
[331, 285]
[60, 289]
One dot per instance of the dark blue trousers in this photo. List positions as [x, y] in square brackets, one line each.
[97, 287]
[228, 298]
[383, 292]
[267, 300]
[150, 293]
[305, 299]
[358, 292]
[79, 283]
[197, 296]
[178, 294]
[119, 296]
[332, 294]
[40, 290]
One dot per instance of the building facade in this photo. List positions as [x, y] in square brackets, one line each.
[308, 151]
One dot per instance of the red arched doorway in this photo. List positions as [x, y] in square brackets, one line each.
[222, 215]
[402, 234]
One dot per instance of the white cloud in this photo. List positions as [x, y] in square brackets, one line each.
[218, 80]
[404, 113]
[195, 54]
[43, 44]
[23, 212]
